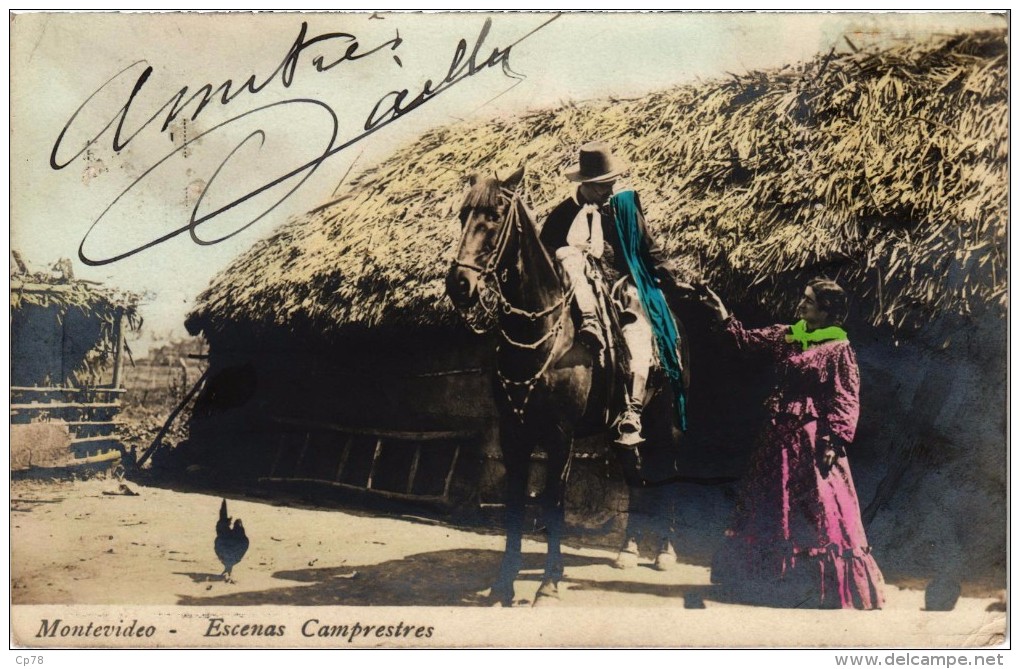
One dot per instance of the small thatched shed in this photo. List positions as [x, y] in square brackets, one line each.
[65, 336]
[884, 169]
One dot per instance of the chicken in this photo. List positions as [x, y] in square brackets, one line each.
[231, 542]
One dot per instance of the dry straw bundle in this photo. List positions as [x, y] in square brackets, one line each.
[885, 169]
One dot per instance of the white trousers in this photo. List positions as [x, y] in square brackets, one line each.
[637, 330]
[638, 336]
[573, 263]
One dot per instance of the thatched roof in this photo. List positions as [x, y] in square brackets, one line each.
[886, 169]
[85, 296]
[91, 309]
[59, 290]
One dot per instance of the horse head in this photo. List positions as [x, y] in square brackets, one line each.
[483, 218]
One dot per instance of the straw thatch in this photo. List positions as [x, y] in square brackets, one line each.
[90, 310]
[885, 169]
[87, 297]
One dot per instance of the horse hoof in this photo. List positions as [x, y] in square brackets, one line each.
[503, 599]
[496, 597]
[664, 561]
[547, 594]
[628, 556]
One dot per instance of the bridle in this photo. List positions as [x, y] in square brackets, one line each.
[500, 303]
[488, 318]
[512, 220]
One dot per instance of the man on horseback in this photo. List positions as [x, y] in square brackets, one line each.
[600, 240]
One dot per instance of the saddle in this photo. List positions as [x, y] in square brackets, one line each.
[608, 397]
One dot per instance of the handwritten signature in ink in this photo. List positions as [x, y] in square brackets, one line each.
[467, 61]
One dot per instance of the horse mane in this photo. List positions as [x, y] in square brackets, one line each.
[484, 194]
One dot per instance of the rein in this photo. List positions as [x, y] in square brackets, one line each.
[512, 218]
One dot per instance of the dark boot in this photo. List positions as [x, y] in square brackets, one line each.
[590, 334]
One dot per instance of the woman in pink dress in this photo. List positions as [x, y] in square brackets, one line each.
[797, 538]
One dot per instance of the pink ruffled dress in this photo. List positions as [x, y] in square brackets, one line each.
[797, 538]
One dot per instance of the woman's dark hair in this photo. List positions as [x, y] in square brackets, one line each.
[831, 298]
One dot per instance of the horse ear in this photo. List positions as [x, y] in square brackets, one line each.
[514, 180]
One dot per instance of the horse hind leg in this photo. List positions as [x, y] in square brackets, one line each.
[628, 459]
[663, 525]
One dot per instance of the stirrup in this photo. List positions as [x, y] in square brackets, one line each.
[628, 427]
[630, 421]
[629, 440]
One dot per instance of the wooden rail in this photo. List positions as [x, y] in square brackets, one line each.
[91, 424]
[386, 494]
[380, 439]
[64, 405]
[402, 435]
[59, 389]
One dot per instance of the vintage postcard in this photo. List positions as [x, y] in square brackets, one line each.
[509, 330]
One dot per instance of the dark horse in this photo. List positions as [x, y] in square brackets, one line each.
[544, 379]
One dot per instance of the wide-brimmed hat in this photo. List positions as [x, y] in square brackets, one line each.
[596, 164]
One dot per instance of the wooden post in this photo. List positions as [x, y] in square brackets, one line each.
[158, 441]
[118, 355]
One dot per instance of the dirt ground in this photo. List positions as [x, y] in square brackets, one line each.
[81, 543]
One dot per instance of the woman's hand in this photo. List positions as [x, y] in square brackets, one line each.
[708, 297]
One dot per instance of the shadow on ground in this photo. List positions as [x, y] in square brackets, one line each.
[201, 576]
[440, 578]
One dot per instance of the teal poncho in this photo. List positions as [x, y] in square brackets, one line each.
[634, 249]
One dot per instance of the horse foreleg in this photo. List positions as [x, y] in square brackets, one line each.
[553, 513]
[517, 462]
